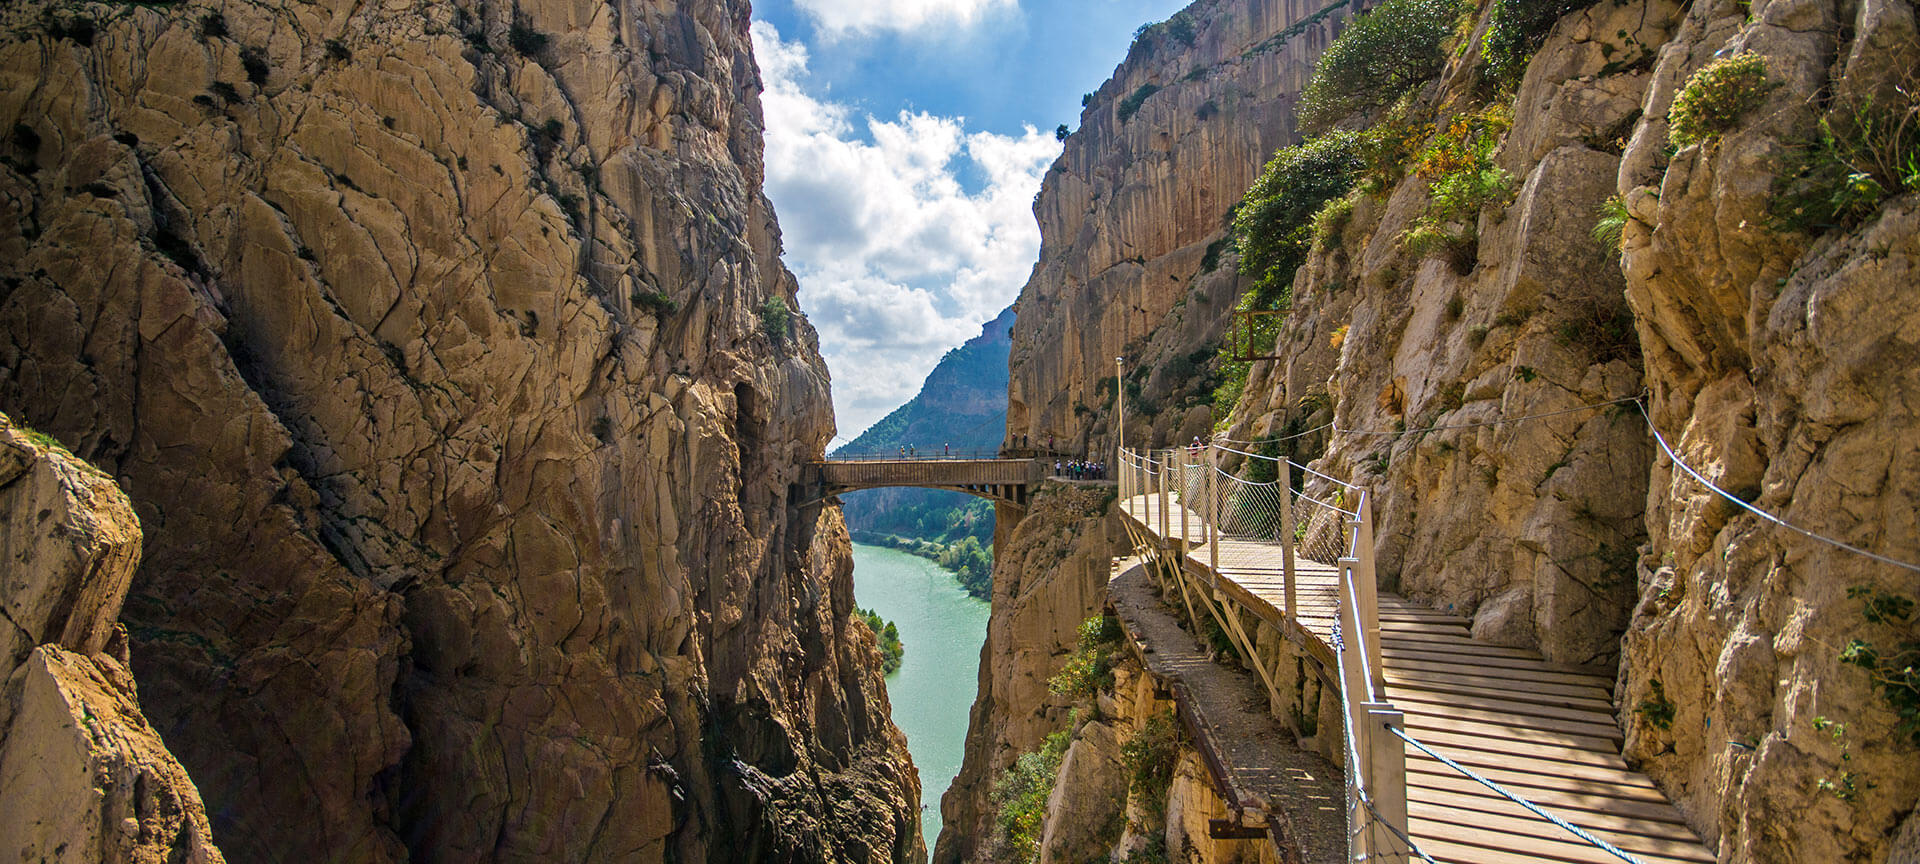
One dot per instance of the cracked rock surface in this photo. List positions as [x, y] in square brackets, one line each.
[86, 779]
[426, 341]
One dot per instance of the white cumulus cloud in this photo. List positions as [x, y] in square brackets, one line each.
[840, 17]
[898, 258]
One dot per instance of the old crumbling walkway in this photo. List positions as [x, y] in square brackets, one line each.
[1544, 732]
[1293, 795]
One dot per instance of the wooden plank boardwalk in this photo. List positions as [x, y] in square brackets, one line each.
[1547, 732]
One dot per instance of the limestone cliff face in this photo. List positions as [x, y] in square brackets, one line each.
[1784, 368]
[1049, 574]
[1530, 527]
[1133, 221]
[86, 779]
[434, 348]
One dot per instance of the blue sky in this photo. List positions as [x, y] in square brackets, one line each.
[905, 142]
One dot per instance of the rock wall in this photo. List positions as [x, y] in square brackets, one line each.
[1783, 367]
[1528, 526]
[434, 348]
[1133, 222]
[1049, 574]
[1777, 363]
[86, 779]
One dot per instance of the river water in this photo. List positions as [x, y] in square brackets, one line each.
[933, 692]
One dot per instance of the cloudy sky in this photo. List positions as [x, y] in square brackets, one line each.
[905, 142]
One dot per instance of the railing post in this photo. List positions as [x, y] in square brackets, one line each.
[1286, 535]
[1368, 587]
[1186, 502]
[1166, 465]
[1213, 513]
[1386, 779]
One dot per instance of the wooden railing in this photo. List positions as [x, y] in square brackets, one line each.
[1194, 500]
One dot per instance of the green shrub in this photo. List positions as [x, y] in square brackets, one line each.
[1716, 98]
[1865, 150]
[1461, 181]
[213, 25]
[1892, 666]
[525, 40]
[1655, 709]
[1515, 30]
[776, 320]
[1331, 220]
[1149, 759]
[656, 302]
[1613, 222]
[1061, 132]
[225, 91]
[1380, 56]
[1274, 225]
[1090, 668]
[1131, 105]
[1020, 798]
[338, 52]
[892, 651]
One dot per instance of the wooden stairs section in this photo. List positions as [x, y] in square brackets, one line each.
[1545, 731]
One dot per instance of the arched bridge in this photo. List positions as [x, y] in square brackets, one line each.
[1006, 481]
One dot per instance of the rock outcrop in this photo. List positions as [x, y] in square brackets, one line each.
[1049, 574]
[86, 779]
[447, 358]
[1133, 222]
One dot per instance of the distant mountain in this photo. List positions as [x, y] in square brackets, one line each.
[962, 404]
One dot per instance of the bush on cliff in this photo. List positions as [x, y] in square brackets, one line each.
[1716, 98]
[1865, 150]
[1274, 225]
[1149, 758]
[1020, 798]
[892, 651]
[1379, 57]
[1515, 30]
[1090, 669]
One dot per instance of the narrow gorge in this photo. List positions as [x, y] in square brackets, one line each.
[414, 445]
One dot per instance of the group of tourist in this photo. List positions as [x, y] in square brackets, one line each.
[1076, 469]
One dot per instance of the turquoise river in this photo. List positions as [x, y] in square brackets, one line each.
[932, 693]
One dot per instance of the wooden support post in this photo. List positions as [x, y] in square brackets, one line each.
[1386, 757]
[1288, 552]
[1252, 648]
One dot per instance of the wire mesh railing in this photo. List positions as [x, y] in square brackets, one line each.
[1185, 494]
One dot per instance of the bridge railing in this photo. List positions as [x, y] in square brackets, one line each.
[917, 455]
[1325, 522]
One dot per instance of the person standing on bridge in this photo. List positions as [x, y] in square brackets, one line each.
[946, 449]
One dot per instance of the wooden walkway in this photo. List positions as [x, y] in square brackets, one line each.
[1545, 731]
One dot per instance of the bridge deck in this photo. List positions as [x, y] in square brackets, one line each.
[1545, 731]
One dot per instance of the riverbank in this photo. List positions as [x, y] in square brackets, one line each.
[967, 560]
[932, 693]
